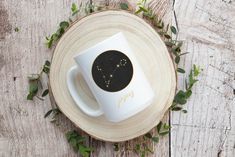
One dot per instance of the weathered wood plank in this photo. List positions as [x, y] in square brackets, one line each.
[208, 129]
[23, 130]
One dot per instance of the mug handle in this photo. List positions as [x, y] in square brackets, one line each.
[71, 74]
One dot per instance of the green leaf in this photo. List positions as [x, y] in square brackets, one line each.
[45, 93]
[143, 154]
[167, 36]
[137, 147]
[165, 132]
[173, 30]
[115, 147]
[55, 37]
[149, 150]
[47, 63]
[163, 129]
[74, 7]
[180, 94]
[17, 29]
[180, 70]
[64, 24]
[74, 13]
[159, 126]
[77, 142]
[184, 111]
[124, 6]
[196, 70]
[165, 126]
[188, 93]
[138, 11]
[182, 101]
[48, 113]
[143, 9]
[148, 135]
[176, 108]
[49, 41]
[159, 25]
[30, 96]
[85, 151]
[46, 67]
[192, 76]
[176, 49]
[33, 77]
[155, 139]
[177, 59]
[33, 89]
[186, 84]
[91, 8]
[59, 32]
[53, 111]
[180, 98]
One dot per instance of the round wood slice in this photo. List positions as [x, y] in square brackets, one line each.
[150, 51]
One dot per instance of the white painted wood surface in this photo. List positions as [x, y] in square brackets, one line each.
[208, 129]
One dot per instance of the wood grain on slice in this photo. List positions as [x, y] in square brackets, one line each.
[208, 30]
[156, 64]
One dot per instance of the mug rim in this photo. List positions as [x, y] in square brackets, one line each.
[84, 52]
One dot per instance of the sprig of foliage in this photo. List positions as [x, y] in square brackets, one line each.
[45, 92]
[89, 8]
[77, 142]
[182, 95]
[174, 46]
[55, 36]
[163, 128]
[145, 10]
[151, 137]
[53, 114]
[74, 9]
[35, 82]
[143, 148]
[165, 31]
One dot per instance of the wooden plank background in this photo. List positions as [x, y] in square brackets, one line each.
[208, 129]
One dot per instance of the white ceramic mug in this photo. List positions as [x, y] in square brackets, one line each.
[114, 77]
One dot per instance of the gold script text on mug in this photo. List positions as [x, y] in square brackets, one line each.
[124, 98]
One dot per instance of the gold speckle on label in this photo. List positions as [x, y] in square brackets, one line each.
[123, 99]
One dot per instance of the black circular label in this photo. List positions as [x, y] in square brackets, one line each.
[112, 71]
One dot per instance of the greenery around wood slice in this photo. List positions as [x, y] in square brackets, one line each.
[167, 32]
